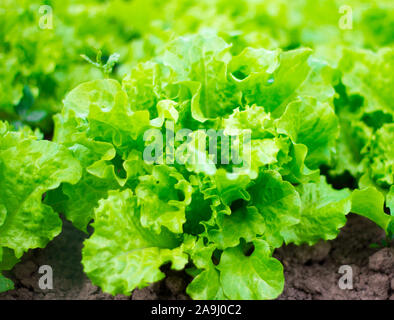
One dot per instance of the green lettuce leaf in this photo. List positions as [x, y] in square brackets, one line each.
[323, 213]
[105, 135]
[29, 168]
[199, 64]
[274, 77]
[163, 197]
[279, 204]
[369, 202]
[237, 276]
[7, 261]
[5, 284]
[314, 124]
[257, 277]
[246, 223]
[359, 67]
[381, 156]
[206, 284]
[122, 255]
[390, 200]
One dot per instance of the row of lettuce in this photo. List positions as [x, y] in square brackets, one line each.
[312, 122]
[41, 42]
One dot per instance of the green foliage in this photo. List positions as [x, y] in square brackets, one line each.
[29, 168]
[317, 101]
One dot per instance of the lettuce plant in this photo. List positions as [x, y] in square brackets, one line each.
[29, 167]
[221, 222]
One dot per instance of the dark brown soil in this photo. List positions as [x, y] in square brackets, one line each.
[310, 272]
[313, 272]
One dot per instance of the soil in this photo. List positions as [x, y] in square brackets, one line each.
[310, 272]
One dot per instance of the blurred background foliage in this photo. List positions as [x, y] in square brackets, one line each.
[38, 66]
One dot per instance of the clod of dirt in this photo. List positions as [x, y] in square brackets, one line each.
[317, 278]
[91, 292]
[305, 253]
[147, 293]
[26, 273]
[379, 286]
[171, 288]
[382, 261]
[183, 296]
[175, 284]
[314, 253]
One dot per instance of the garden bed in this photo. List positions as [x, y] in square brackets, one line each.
[310, 272]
